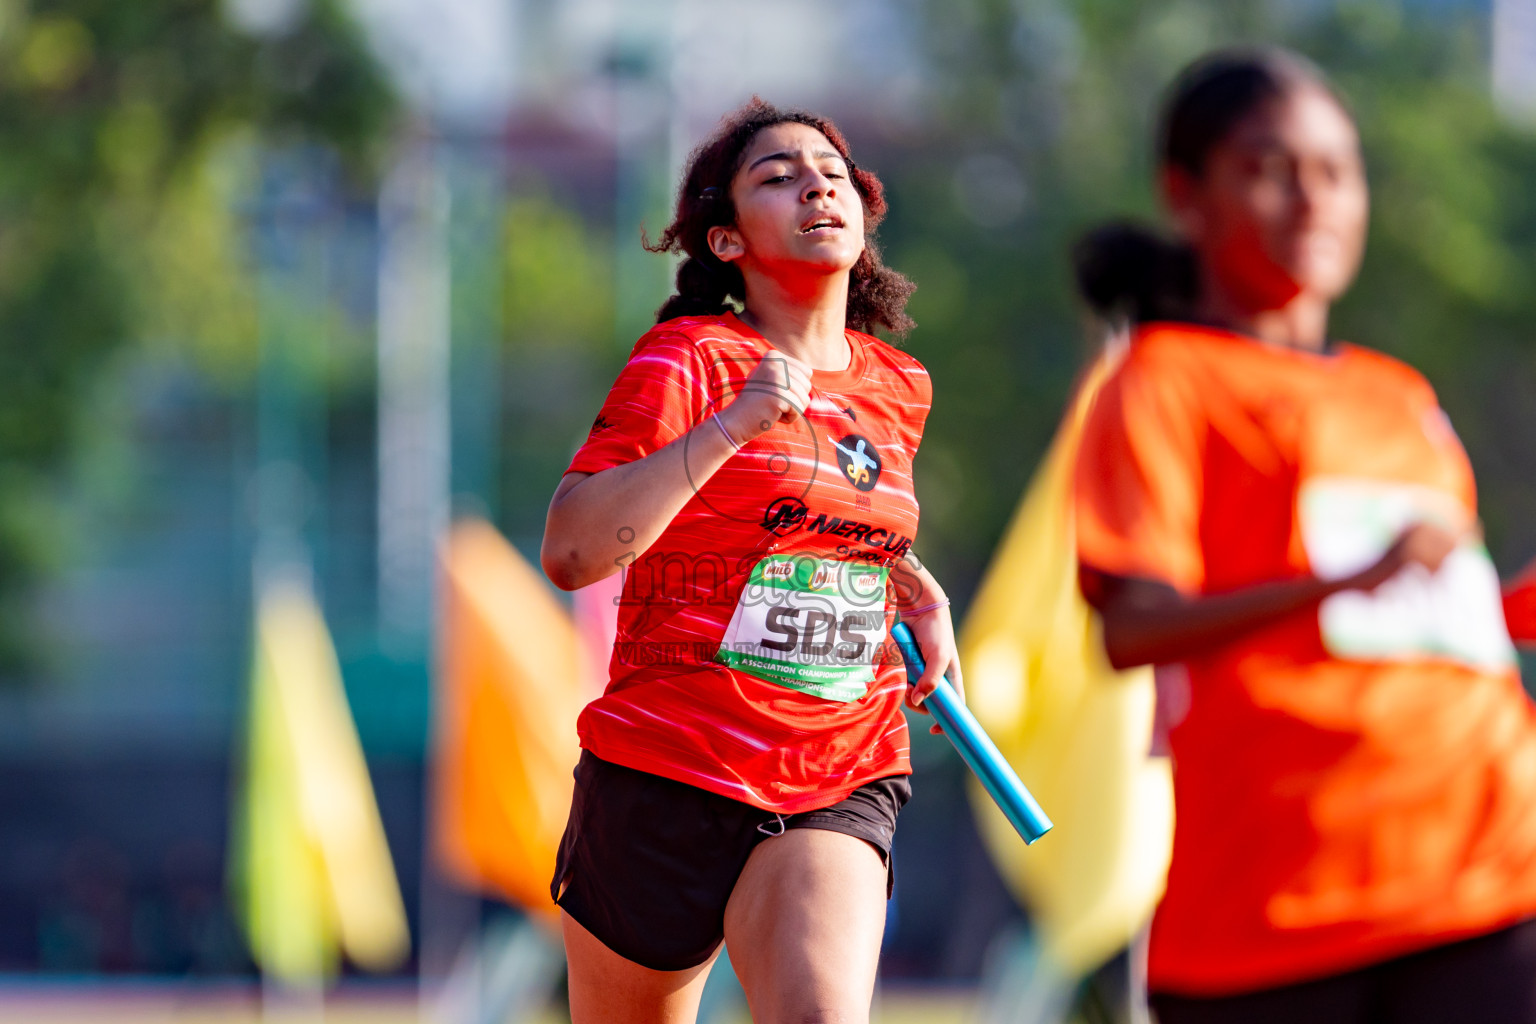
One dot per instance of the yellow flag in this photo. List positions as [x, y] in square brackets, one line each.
[312, 868]
[1076, 730]
[512, 679]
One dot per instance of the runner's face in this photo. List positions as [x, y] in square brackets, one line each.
[796, 207]
[1281, 207]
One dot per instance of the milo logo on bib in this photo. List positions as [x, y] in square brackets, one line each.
[811, 624]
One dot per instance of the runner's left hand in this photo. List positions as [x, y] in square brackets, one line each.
[935, 635]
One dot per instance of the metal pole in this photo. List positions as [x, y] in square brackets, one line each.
[413, 426]
[414, 440]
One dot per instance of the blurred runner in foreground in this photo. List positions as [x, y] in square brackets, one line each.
[742, 774]
[1294, 521]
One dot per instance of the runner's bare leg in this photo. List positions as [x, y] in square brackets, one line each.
[804, 926]
[608, 989]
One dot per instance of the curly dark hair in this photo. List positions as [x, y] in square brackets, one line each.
[707, 285]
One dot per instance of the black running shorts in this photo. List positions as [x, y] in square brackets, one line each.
[1489, 979]
[647, 864]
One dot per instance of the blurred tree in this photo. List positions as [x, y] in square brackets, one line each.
[124, 129]
[1045, 115]
[559, 275]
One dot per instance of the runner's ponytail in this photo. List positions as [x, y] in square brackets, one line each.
[702, 290]
[1129, 273]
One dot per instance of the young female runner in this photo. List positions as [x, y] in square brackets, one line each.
[1294, 522]
[752, 471]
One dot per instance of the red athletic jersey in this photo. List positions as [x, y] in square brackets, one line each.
[751, 638]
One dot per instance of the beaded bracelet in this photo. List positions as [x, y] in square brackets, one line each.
[727, 433]
[926, 608]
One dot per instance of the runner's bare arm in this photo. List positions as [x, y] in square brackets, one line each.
[598, 522]
[1147, 622]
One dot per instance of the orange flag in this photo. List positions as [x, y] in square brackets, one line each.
[514, 673]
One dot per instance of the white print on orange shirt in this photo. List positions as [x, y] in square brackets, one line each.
[1347, 523]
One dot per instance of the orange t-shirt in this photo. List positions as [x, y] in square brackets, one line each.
[1356, 781]
[750, 656]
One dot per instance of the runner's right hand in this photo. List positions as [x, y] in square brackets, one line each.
[1420, 544]
[777, 391]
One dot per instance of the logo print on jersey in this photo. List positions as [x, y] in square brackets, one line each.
[784, 515]
[859, 460]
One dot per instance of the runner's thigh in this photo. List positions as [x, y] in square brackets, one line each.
[605, 988]
[804, 925]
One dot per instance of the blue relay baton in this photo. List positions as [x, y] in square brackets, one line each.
[974, 745]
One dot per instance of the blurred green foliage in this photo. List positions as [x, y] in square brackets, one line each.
[558, 275]
[559, 296]
[1045, 119]
[127, 130]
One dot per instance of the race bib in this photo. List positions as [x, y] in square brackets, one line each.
[1347, 524]
[811, 624]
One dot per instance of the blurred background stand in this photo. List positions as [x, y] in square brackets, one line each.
[1020, 983]
[507, 973]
